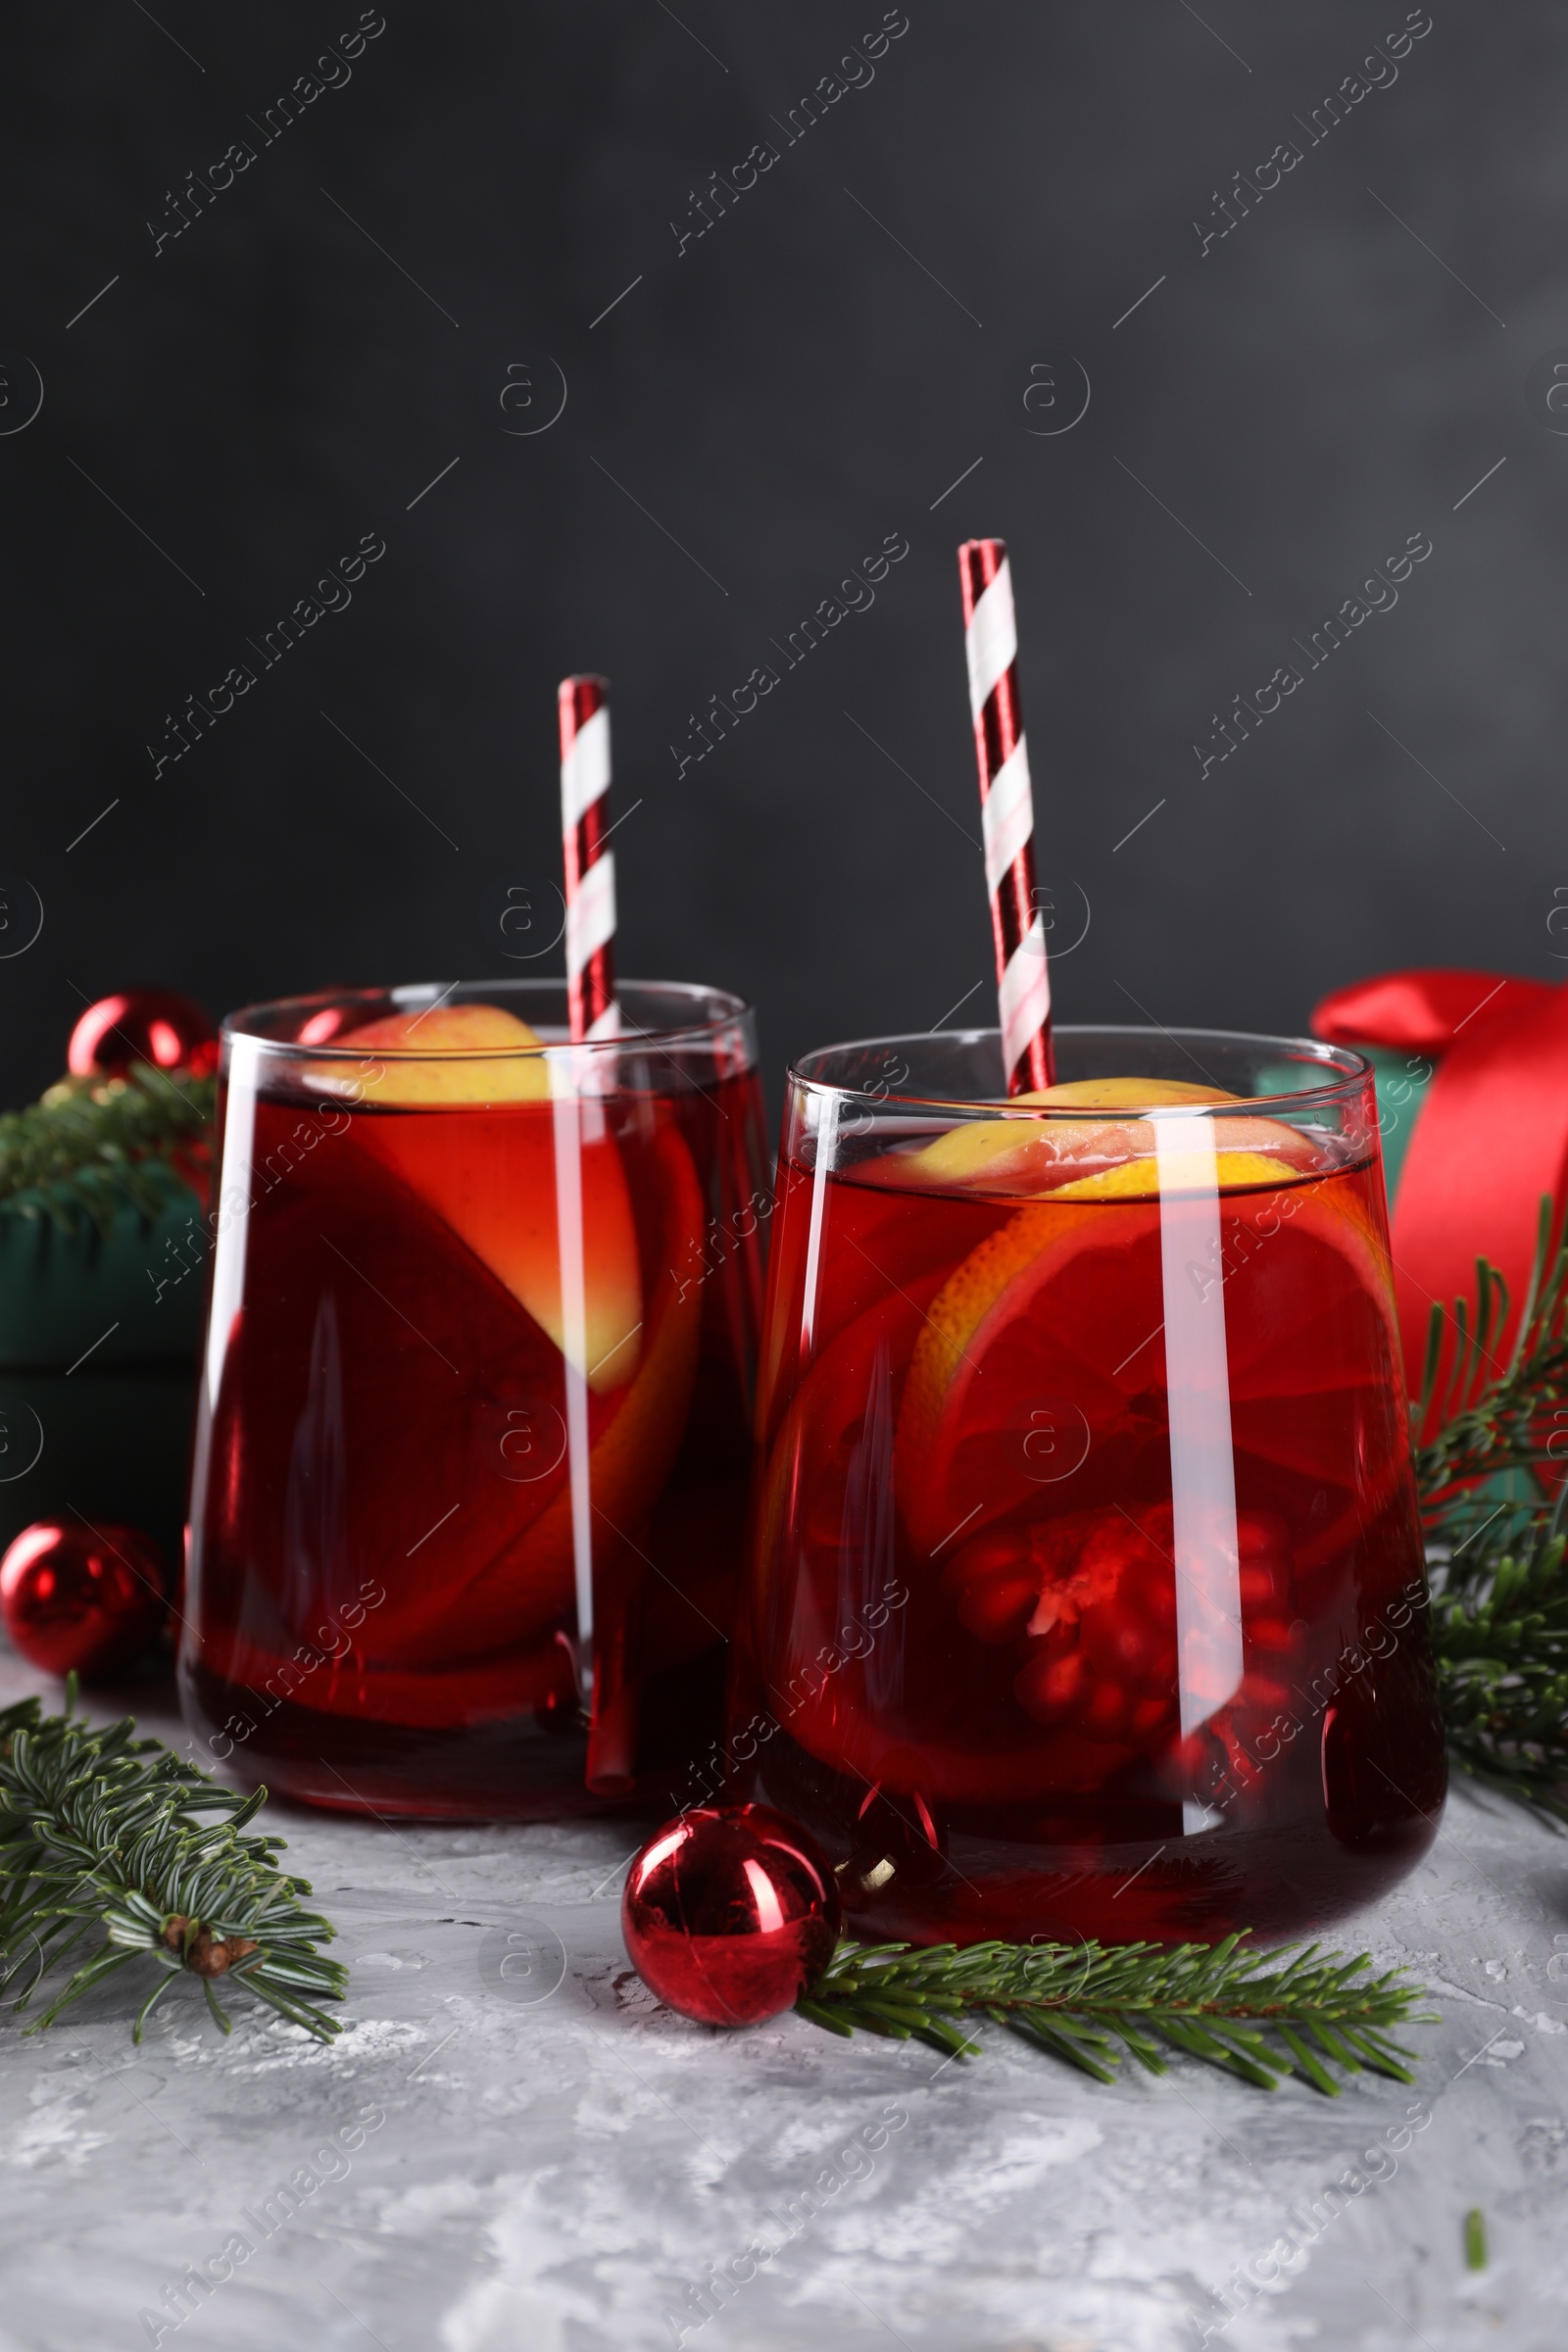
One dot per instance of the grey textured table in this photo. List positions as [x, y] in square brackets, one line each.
[512, 2149]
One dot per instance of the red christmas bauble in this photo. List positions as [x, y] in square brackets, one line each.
[730, 1913]
[142, 1024]
[83, 1598]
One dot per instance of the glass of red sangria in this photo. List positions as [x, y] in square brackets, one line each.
[473, 1431]
[1086, 1587]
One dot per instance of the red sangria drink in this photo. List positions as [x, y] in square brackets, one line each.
[1085, 1588]
[472, 1454]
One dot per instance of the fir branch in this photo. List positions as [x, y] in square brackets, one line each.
[1500, 1627]
[100, 1830]
[1492, 1413]
[1493, 1495]
[1259, 2016]
[94, 1146]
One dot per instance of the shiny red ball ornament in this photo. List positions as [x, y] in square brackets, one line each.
[730, 1913]
[79, 1598]
[142, 1024]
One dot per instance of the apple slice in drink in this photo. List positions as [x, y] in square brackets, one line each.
[541, 1182]
[536, 1181]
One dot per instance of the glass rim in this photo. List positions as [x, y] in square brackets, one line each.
[1352, 1069]
[238, 1025]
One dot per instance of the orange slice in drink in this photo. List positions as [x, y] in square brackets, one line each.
[1088, 1156]
[1038, 1382]
[495, 1181]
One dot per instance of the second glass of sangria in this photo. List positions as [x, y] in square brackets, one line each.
[1085, 1589]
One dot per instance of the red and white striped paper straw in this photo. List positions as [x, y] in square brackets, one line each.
[1007, 813]
[590, 866]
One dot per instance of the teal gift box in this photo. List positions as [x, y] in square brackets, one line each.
[103, 1247]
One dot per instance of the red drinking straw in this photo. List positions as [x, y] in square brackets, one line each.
[584, 709]
[608, 1585]
[1006, 814]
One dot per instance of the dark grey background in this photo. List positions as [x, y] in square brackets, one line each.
[752, 418]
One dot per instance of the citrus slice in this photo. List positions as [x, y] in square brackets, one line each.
[1089, 1157]
[494, 1180]
[1018, 1329]
[1056, 1324]
[1145, 1176]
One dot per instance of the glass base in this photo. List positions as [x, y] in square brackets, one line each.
[512, 1768]
[1120, 1872]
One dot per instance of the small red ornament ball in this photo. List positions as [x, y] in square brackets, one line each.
[142, 1024]
[76, 1597]
[730, 1913]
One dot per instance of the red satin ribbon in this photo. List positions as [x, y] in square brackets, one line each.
[1490, 1138]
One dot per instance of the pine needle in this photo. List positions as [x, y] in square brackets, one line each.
[1492, 1414]
[1250, 2013]
[95, 1145]
[1494, 1488]
[105, 1834]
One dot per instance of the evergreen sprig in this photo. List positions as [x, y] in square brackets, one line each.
[92, 1146]
[1499, 1622]
[99, 1828]
[1259, 2016]
[1493, 1491]
[1490, 1413]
